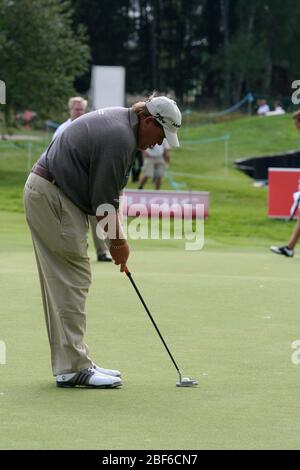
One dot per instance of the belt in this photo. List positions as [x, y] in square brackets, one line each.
[40, 171]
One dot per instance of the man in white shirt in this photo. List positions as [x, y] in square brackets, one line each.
[156, 160]
[263, 108]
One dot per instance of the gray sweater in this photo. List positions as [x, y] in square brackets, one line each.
[91, 159]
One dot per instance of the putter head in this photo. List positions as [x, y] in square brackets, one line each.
[186, 382]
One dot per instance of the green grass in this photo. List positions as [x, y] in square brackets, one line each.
[228, 312]
[238, 211]
[229, 317]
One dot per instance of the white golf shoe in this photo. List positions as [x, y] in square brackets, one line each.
[112, 372]
[282, 250]
[88, 378]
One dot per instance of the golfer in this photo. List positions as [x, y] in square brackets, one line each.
[289, 249]
[81, 173]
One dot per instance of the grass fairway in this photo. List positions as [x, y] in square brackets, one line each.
[229, 314]
[229, 317]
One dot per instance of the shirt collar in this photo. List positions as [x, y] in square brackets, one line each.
[134, 121]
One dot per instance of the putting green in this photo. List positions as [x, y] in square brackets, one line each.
[229, 318]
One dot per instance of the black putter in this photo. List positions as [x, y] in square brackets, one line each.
[183, 381]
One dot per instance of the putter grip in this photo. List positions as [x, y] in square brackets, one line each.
[127, 271]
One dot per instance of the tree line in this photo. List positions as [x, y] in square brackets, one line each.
[211, 49]
[208, 52]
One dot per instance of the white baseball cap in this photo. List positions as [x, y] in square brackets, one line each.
[168, 115]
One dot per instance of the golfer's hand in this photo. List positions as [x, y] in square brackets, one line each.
[119, 251]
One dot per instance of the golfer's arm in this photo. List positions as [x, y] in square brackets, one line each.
[166, 156]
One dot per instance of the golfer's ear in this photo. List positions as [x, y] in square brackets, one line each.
[149, 119]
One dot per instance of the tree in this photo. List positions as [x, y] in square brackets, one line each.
[258, 47]
[215, 50]
[40, 54]
[111, 26]
[225, 4]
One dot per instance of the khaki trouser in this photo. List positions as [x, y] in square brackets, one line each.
[154, 167]
[101, 246]
[59, 234]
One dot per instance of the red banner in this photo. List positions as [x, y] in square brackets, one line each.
[284, 192]
[178, 204]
